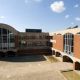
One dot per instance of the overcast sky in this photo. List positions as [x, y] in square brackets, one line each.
[49, 15]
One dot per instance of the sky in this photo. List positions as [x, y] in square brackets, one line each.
[48, 15]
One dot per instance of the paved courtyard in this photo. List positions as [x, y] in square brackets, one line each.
[32, 68]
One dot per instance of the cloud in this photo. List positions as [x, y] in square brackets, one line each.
[2, 17]
[72, 23]
[57, 6]
[29, 1]
[77, 18]
[76, 6]
[67, 16]
[26, 1]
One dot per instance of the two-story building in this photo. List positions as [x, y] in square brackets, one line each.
[66, 44]
[32, 41]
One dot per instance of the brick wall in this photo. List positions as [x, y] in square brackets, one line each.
[58, 42]
[77, 46]
[33, 51]
[16, 41]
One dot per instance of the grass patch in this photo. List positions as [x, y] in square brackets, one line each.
[71, 75]
[52, 59]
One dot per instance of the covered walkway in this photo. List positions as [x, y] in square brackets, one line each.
[67, 58]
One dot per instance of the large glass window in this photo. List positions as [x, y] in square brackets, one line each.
[68, 43]
[6, 39]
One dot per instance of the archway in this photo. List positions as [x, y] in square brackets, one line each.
[57, 54]
[67, 59]
[77, 66]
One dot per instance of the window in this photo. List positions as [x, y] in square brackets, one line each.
[0, 39]
[68, 43]
[6, 39]
[12, 38]
[0, 31]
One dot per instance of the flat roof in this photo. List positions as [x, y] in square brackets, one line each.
[73, 31]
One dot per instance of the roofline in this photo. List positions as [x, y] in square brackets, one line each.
[73, 31]
[8, 27]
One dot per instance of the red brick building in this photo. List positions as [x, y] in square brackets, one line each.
[66, 44]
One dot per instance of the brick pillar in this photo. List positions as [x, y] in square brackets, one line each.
[53, 52]
[16, 41]
[67, 59]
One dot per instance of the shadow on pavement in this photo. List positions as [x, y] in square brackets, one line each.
[27, 58]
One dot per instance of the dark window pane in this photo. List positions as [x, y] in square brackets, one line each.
[4, 31]
[0, 31]
[4, 39]
[0, 39]
[72, 43]
[64, 42]
[71, 49]
[72, 36]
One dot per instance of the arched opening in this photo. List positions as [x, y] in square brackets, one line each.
[67, 59]
[10, 54]
[77, 66]
[2, 54]
[57, 54]
[53, 52]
